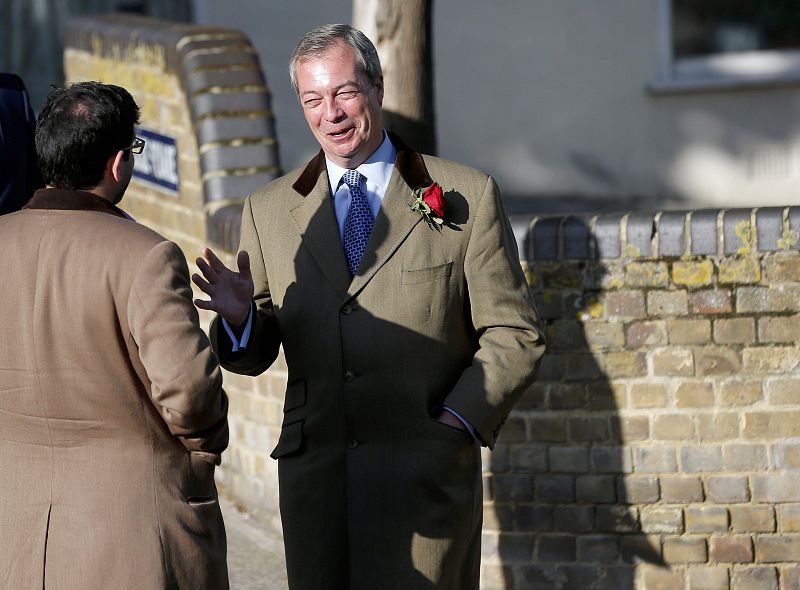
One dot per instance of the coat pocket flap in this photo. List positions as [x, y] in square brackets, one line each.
[290, 440]
[424, 275]
[295, 396]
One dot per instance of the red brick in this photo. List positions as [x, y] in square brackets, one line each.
[737, 549]
[625, 304]
[647, 334]
[710, 301]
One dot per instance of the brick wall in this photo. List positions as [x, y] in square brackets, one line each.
[660, 447]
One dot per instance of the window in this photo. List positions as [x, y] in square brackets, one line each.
[728, 43]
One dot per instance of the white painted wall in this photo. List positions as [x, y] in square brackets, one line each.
[551, 97]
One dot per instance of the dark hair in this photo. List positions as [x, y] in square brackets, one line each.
[79, 128]
[318, 41]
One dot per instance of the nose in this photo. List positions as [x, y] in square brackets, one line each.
[333, 111]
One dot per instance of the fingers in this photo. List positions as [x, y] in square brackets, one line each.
[213, 261]
[209, 305]
[243, 262]
[209, 273]
[204, 285]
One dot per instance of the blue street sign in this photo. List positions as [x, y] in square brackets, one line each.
[158, 163]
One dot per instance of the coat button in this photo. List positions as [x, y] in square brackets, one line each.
[347, 310]
[352, 443]
[349, 376]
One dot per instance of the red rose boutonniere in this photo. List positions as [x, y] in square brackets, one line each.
[431, 204]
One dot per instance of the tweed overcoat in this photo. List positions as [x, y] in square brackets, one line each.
[112, 414]
[374, 492]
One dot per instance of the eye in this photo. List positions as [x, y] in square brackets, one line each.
[347, 94]
[312, 103]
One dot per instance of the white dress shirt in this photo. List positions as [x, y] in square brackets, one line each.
[377, 171]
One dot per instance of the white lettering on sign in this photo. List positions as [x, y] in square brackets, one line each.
[158, 163]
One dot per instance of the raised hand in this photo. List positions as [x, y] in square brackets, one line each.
[230, 291]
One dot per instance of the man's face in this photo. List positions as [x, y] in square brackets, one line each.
[340, 106]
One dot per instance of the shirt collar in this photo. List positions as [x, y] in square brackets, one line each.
[377, 168]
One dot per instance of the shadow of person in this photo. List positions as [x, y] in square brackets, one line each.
[560, 477]
[374, 492]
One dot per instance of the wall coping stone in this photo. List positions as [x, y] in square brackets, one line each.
[670, 234]
[228, 99]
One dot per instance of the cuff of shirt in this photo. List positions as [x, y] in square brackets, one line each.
[239, 343]
[461, 419]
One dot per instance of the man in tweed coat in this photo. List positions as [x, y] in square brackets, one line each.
[112, 414]
[393, 283]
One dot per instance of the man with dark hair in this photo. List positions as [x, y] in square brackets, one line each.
[19, 175]
[112, 411]
[407, 327]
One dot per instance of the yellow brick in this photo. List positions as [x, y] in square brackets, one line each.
[673, 427]
[624, 364]
[718, 426]
[649, 395]
[693, 274]
[745, 270]
[694, 394]
[647, 274]
[740, 393]
[772, 359]
[771, 424]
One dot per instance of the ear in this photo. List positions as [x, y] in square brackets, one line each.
[116, 163]
[379, 86]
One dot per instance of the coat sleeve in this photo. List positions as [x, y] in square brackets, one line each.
[510, 339]
[264, 343]
[185, 378]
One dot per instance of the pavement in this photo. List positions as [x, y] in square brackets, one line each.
[255, 552]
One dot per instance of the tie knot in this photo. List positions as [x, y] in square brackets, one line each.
[352, 178]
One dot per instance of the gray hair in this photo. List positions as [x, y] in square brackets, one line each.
[319, 40]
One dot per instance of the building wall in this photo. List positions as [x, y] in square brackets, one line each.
[660, 445]
[552, 99]
[658, 448]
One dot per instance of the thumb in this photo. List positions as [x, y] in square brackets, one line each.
[243, 262]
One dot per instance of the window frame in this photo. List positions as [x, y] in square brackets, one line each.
[750, 69]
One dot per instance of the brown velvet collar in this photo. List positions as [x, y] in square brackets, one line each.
[66, 200]
[409, 164]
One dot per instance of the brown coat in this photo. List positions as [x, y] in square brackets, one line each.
[374, 493]
[112, 415]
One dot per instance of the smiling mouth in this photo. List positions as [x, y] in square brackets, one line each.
[340, 134]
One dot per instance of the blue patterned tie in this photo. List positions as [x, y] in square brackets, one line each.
[357, 223]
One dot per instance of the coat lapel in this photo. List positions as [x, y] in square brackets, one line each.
[394, 222]
[316, 221]
[395, 218]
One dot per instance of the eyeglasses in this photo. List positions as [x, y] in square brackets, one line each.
[137, 147]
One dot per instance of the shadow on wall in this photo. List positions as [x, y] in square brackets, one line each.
[560, 474]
